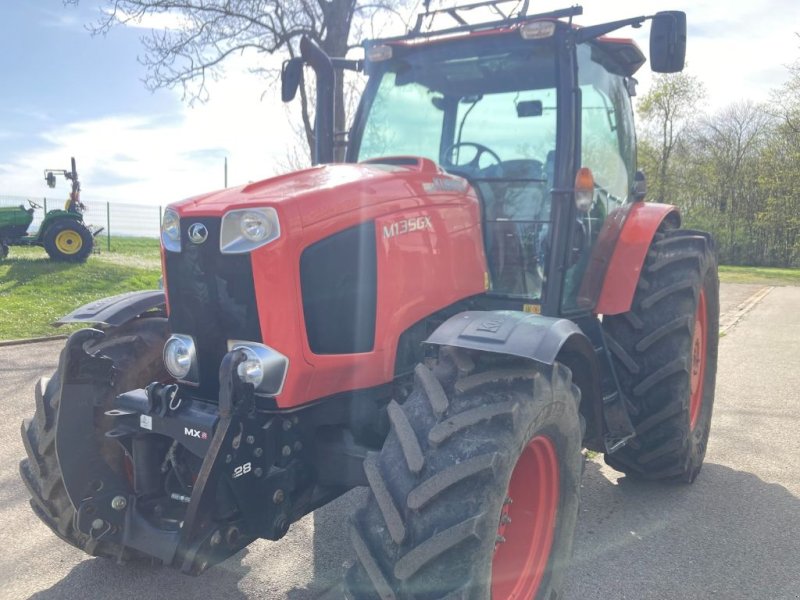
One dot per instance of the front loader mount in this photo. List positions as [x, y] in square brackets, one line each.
[239, 491]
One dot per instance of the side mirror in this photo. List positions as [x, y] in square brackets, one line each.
[639, 190]
[50, 178]
[529, 108]
[291, 73]
[668, 41]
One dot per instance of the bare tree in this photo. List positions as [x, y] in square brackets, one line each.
[207, 32]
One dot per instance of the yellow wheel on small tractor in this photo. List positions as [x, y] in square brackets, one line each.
[68, 240]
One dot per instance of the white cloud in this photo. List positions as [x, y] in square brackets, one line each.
[170, 157]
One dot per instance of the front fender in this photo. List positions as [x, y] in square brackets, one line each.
[116, 310]
[534, 337]
[514, 333]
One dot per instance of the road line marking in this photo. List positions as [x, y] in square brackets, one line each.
[733, 317]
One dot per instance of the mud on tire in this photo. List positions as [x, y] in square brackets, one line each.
[653, 350]
[438, 486]
[135, 349]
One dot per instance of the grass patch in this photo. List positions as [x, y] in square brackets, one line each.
[35, 291]
[133, 246]
[759, 275]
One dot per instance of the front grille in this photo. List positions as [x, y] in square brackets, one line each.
[212, 298]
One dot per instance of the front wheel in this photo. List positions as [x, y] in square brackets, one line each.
[135, 349]
[68, 240]
[475, 492]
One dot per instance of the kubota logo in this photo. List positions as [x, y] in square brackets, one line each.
[198, 233]
[195, 433]
[407, 226]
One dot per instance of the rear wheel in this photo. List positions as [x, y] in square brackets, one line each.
[68, 240]
[665, 353]
[135, 349]
[475, 492]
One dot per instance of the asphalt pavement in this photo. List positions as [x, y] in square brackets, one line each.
[734, 534]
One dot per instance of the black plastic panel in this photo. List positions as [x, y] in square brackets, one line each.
[338, 276]
[212, 298]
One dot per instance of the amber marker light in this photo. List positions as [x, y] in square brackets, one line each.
[584, 189]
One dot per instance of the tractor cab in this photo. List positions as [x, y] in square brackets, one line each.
[535, 113]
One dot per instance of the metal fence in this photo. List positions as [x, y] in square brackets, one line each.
[116, 218]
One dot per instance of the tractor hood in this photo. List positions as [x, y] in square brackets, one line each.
[329, 191]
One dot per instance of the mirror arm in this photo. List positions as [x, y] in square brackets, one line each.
[589, 33]
[348, 64]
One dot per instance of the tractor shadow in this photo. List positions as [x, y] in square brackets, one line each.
[102, 578]
[24, 270]
[729, 535]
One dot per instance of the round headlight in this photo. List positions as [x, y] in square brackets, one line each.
[177, 357]
[254, 226]
[250, 370]
[171, 225]
[171, 230]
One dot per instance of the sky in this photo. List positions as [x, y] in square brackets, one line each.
[68, 93]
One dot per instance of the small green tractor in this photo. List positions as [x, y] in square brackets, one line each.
[63, 234]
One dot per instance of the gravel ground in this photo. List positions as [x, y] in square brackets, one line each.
[732, 535]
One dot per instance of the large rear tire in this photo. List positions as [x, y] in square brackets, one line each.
[135, 349]
[475, 492]
[68, 240]
[665, 353]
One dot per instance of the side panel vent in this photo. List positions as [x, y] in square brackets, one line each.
[338, 276]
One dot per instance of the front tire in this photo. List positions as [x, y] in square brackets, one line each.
[665, 353]
[68, 240]
[135, 349]
[438, 522]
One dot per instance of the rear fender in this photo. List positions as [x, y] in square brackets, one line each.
[53, 217]
[639, 227]
[116, 310]
[545, 340]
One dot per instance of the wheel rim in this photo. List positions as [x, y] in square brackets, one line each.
[69, 242]
[698, 360]
[527, 523]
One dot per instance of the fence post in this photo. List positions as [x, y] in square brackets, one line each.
[108, 224]
[45, 205]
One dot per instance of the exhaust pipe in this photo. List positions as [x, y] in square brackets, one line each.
[315, 56]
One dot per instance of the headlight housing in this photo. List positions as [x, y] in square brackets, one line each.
[171, 231]
[180, 358]
[265, 368]
[244, 230]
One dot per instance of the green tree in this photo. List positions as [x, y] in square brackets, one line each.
[665, 112]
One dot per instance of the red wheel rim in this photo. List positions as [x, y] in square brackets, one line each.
[698, 365]
[527, 523]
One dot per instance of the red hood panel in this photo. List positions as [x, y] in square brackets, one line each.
[326, 191]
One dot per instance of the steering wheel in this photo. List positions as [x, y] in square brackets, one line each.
[33, 204]
[474, 164]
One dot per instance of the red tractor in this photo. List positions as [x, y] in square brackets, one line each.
[448, 317]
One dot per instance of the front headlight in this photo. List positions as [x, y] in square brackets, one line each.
[180, 358]
[171, 231]
[244, 230]
[264, 367]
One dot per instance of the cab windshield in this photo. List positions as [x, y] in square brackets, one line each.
[484, 109]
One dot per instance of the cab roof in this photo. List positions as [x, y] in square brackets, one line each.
[625, 51]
